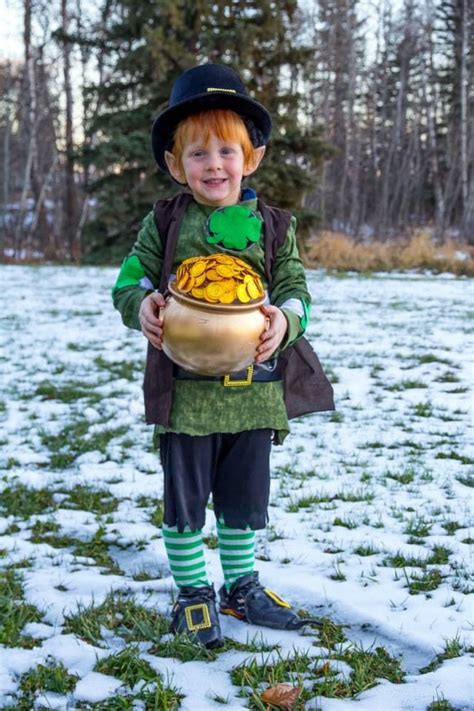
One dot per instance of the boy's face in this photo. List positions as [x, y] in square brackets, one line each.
[212, 171]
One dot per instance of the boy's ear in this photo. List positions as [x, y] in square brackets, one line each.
[258, 154]
[174, 169]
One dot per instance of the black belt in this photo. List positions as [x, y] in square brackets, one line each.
[254, 373]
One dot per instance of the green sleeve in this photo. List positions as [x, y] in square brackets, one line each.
[289, 282]
[139, 274]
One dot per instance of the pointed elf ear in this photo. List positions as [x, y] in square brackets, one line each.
[174, 168]
[258, 154]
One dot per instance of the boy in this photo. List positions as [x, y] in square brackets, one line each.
[216, 439]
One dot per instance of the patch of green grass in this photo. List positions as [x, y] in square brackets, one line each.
[454, 455]
[14, 612]
[46, 532]
[97, 548]
[448, 377]
[87, 498]
[427, 582]
[338, 575]
[366, 550]
[433, 358]
[439, 556]
[373, 445]
[451, 527]
[23, 501]
[418, 527]
[367, 666]
[153, 696]
[211, 541]
[405, 477]
[68, 392]
[183, 648]
[125, 369]
[452, 648]
[47, 677]
[74, 440]
[440, 704]
[120, 614]
[345, 522]
[126, 665]
[322, 498]
[406, 385]
[156, 516]
[423, 409]
[330, 633]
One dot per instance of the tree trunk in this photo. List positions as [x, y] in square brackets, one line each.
[70, 202]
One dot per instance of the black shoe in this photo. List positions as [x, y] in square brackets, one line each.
[195, 614]
[248, 600]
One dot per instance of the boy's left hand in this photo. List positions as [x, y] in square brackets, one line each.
[273, 336]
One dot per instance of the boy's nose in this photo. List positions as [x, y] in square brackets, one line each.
[214, 161]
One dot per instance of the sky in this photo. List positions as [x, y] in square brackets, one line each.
[10, 32]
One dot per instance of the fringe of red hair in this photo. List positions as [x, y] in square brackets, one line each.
[223, 123]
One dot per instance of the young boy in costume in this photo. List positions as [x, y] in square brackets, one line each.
[212, 438]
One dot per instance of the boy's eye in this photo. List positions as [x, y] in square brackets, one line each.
[227, 151]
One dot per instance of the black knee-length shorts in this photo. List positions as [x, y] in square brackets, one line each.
[234, 468]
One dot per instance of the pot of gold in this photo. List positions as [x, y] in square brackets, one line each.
[212, 320]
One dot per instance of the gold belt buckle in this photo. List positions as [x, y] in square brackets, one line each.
[229, 383]
[206, 620]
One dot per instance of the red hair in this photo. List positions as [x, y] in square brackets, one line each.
[226, 125]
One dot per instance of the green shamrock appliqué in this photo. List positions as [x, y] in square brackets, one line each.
[234, 227]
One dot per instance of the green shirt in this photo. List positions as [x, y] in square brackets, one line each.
[205, 407]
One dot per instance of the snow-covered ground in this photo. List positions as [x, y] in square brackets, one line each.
[370, 506]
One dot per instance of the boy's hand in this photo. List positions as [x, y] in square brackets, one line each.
[273, 336]
[152, 325]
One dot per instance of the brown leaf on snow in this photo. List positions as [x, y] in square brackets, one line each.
[283, 696]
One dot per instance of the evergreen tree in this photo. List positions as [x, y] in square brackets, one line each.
[143, 48]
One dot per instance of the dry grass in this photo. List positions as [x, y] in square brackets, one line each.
[334, 250]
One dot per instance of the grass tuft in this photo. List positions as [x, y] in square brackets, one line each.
[22, 501]
[126, 665]
[120, 614]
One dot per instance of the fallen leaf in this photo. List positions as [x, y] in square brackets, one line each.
[283, 696]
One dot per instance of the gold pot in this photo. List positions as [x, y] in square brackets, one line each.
[211, 339]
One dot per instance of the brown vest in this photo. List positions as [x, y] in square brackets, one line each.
[306, 387]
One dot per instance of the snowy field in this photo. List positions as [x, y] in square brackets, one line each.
[370, 525]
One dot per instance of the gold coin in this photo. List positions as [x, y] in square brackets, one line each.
[224, 259]
[188, 285]
[228, 285]
[182, 282]
[200, 279]
[212, 275]
[198, 268]
[227, 297]
[242, 294]
[214, 290]
[197, 292]
[252, 289]
[224, 270]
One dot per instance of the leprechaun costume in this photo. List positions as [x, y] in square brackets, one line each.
[216, 439]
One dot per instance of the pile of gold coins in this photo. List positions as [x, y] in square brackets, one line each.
[219, 278]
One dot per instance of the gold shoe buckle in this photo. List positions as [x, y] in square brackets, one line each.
[229, 383]
[206, 620]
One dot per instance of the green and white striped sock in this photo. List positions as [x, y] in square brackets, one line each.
[237, 552]
[186, 556]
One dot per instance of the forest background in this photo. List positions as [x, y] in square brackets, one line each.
[373, 106]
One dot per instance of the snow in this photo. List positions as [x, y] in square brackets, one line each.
[398, 349]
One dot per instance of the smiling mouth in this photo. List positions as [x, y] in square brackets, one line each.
[215, 181]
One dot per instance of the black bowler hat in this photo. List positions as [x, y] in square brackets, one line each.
[208, 86]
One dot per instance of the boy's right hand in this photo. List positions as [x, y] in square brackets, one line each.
[148, 315]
